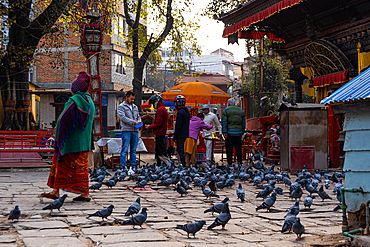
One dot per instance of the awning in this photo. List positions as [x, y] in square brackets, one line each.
[259, 16]
[331, 78]
[257, 35]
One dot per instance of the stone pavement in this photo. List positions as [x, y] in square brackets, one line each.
[165, 210]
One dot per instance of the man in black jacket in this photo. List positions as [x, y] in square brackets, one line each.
[182, 126]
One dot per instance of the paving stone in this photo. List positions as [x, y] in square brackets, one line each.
[39, 225]
[5, 239]
[80, 221]
[280, 244]
[45, 233]
[130, 236]
[147, 244]
[53, 241]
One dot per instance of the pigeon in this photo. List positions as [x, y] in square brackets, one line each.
[222, 218]
[138, 219]
[134, 208]
[315, 183]
[110, 183]
[14, 214]
[185, 185]
[295, 207]
[192, 228]
[240, 193]
[180, 190]
[166, 182]
[323, 195]
[297, 193]
[307, 202]
[287, 181]
[208, 192]
[337, 186]
[337, 207]
[212, 186]
[268, 203]
[298, 228]
[217, 208]
[327, 183]
[263, 193]
[279, 190]
[57, 204]
[142, 183]
[310, 189]
[100, 178]
[96, 186]
[290, 219]
[104, 213]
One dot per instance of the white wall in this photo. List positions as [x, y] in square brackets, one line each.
[47, 112]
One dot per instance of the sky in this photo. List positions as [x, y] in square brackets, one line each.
[210, 36]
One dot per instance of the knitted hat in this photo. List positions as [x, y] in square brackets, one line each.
[81, 83]
[231, 101]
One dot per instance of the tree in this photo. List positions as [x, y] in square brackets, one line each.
[177, 31]
[26, 28]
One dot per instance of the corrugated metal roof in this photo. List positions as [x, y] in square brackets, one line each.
[299, 106]
[356, 89]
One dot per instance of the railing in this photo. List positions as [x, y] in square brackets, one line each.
[27, 141]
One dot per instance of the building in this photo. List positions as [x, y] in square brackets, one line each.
[55, 68]
[218, 80]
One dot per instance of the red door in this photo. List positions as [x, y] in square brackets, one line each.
[302, 156]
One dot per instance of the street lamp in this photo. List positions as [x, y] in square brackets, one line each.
[93, 17]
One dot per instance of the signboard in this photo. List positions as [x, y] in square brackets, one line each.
[104, 99]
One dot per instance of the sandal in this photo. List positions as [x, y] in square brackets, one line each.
[81, 199]
[48, 195]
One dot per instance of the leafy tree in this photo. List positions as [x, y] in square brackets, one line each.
[27, 25]
[275, 75]
[172, 27]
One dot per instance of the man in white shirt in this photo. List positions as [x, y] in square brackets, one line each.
[210, 119]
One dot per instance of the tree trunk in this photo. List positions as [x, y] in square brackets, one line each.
[137, 82]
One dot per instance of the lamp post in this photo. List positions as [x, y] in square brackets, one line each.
[93, 19]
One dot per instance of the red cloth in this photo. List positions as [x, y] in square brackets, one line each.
[259, 16]
[257, 35]
[160, 123]
[332, 78]
[70, 172]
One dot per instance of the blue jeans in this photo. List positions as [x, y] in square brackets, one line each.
[129, 138]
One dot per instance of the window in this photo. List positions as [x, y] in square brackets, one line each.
[120, 64]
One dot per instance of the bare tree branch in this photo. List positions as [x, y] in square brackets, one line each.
[50, 15]
[138, 12]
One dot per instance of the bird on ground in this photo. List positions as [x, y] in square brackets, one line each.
[240, 193]
[208, 193]
[298, 228]
[110, 183]
[263, 193]
[297, 193]
[57, 204]
[327, 183]
[137, 220]
[185, 185]
[337, 186]
[222, 219]
[290, 219]
[315, 183]
[166, 182]
[100, 178]
[96, 186]
[134, 208]
[287, 181]
[295, 207]
[310, 189]
[192, 228]
[14, 214]
[307, 202]
[217, 207]
[142, 183]
[103, 213]
[212, 185]
[323, 195]
[279, 190]
[180, 190]
[268, 203]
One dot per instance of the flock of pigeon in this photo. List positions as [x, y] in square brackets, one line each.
[215, 178]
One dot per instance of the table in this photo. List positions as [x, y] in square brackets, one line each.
[115, 145]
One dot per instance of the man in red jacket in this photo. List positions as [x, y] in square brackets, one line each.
[159, 128]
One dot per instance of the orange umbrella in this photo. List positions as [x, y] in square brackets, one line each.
[197, 92]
